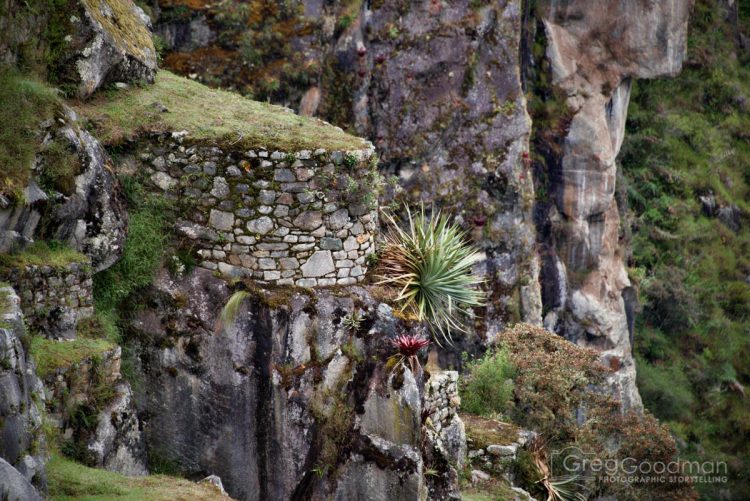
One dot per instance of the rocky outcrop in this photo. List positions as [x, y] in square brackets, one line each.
[92, 408]
[83, 208]
[22, 442]
[14, 486]
[84, 44]
[107, 41]
[290, 399]
[92, 218]
[593, 53]
[435, 86]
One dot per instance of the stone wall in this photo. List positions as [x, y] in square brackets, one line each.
[53, 298]
[307, 218]
[444, 433]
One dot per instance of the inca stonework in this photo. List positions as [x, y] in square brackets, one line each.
[307, 218]
[54, 298]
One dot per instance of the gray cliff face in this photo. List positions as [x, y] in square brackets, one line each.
[22, 443]
[594, 52]
[436, 87]
[283, 402]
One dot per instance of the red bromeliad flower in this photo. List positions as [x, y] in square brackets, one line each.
[409, 345]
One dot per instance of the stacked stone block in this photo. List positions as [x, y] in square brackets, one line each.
[53, 298]
[307, 218]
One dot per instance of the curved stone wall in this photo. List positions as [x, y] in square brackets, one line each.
[306, 218]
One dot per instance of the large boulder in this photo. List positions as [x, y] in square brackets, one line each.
[14, 486]
[92, 217]
[107, 41]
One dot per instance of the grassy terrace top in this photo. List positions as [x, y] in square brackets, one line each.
[209, 116]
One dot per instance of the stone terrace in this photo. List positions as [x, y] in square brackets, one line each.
[307, 218]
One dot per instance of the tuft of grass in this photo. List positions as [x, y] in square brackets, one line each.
[42, 253]
[430, 262]
[51, 355]
[69, 480]
[488, 389]
[232, 308]
[26, 102]
[209, 116]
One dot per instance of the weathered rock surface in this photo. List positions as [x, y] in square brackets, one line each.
[22, 442]
[92, 218]
[109, 41]
[14, 486]
[117, 443]
[284, 401]
[594, 52]
[93, 43]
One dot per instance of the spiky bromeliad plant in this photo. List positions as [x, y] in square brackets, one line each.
[430, 262]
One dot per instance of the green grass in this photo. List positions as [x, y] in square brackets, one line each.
[51, 355]
[42, 253]
[69, 480]
[210, 116]
[26, 102]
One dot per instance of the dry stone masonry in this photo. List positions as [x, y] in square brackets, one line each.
[54, 298]
[306, 218]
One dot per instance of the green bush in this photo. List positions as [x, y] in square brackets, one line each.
[488, 387]
[430, 263]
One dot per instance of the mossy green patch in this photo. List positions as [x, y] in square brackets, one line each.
[26, 102]
[210, 116]
[51, 355]
[128, 32]
[69, 480]
[42, 253]
[483, 431]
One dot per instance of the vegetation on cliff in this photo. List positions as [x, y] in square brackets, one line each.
[553, 387]
[686, 159]
[175, 103]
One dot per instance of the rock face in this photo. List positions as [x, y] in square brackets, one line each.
[108, 41]
[594, 52]
[14, 486]
[282, 402]
[109, 436]
[436, 87]
[92, 218]
[92, 43]
[22, 443]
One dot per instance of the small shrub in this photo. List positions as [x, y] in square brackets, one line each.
[430, 263]
[488, 390]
